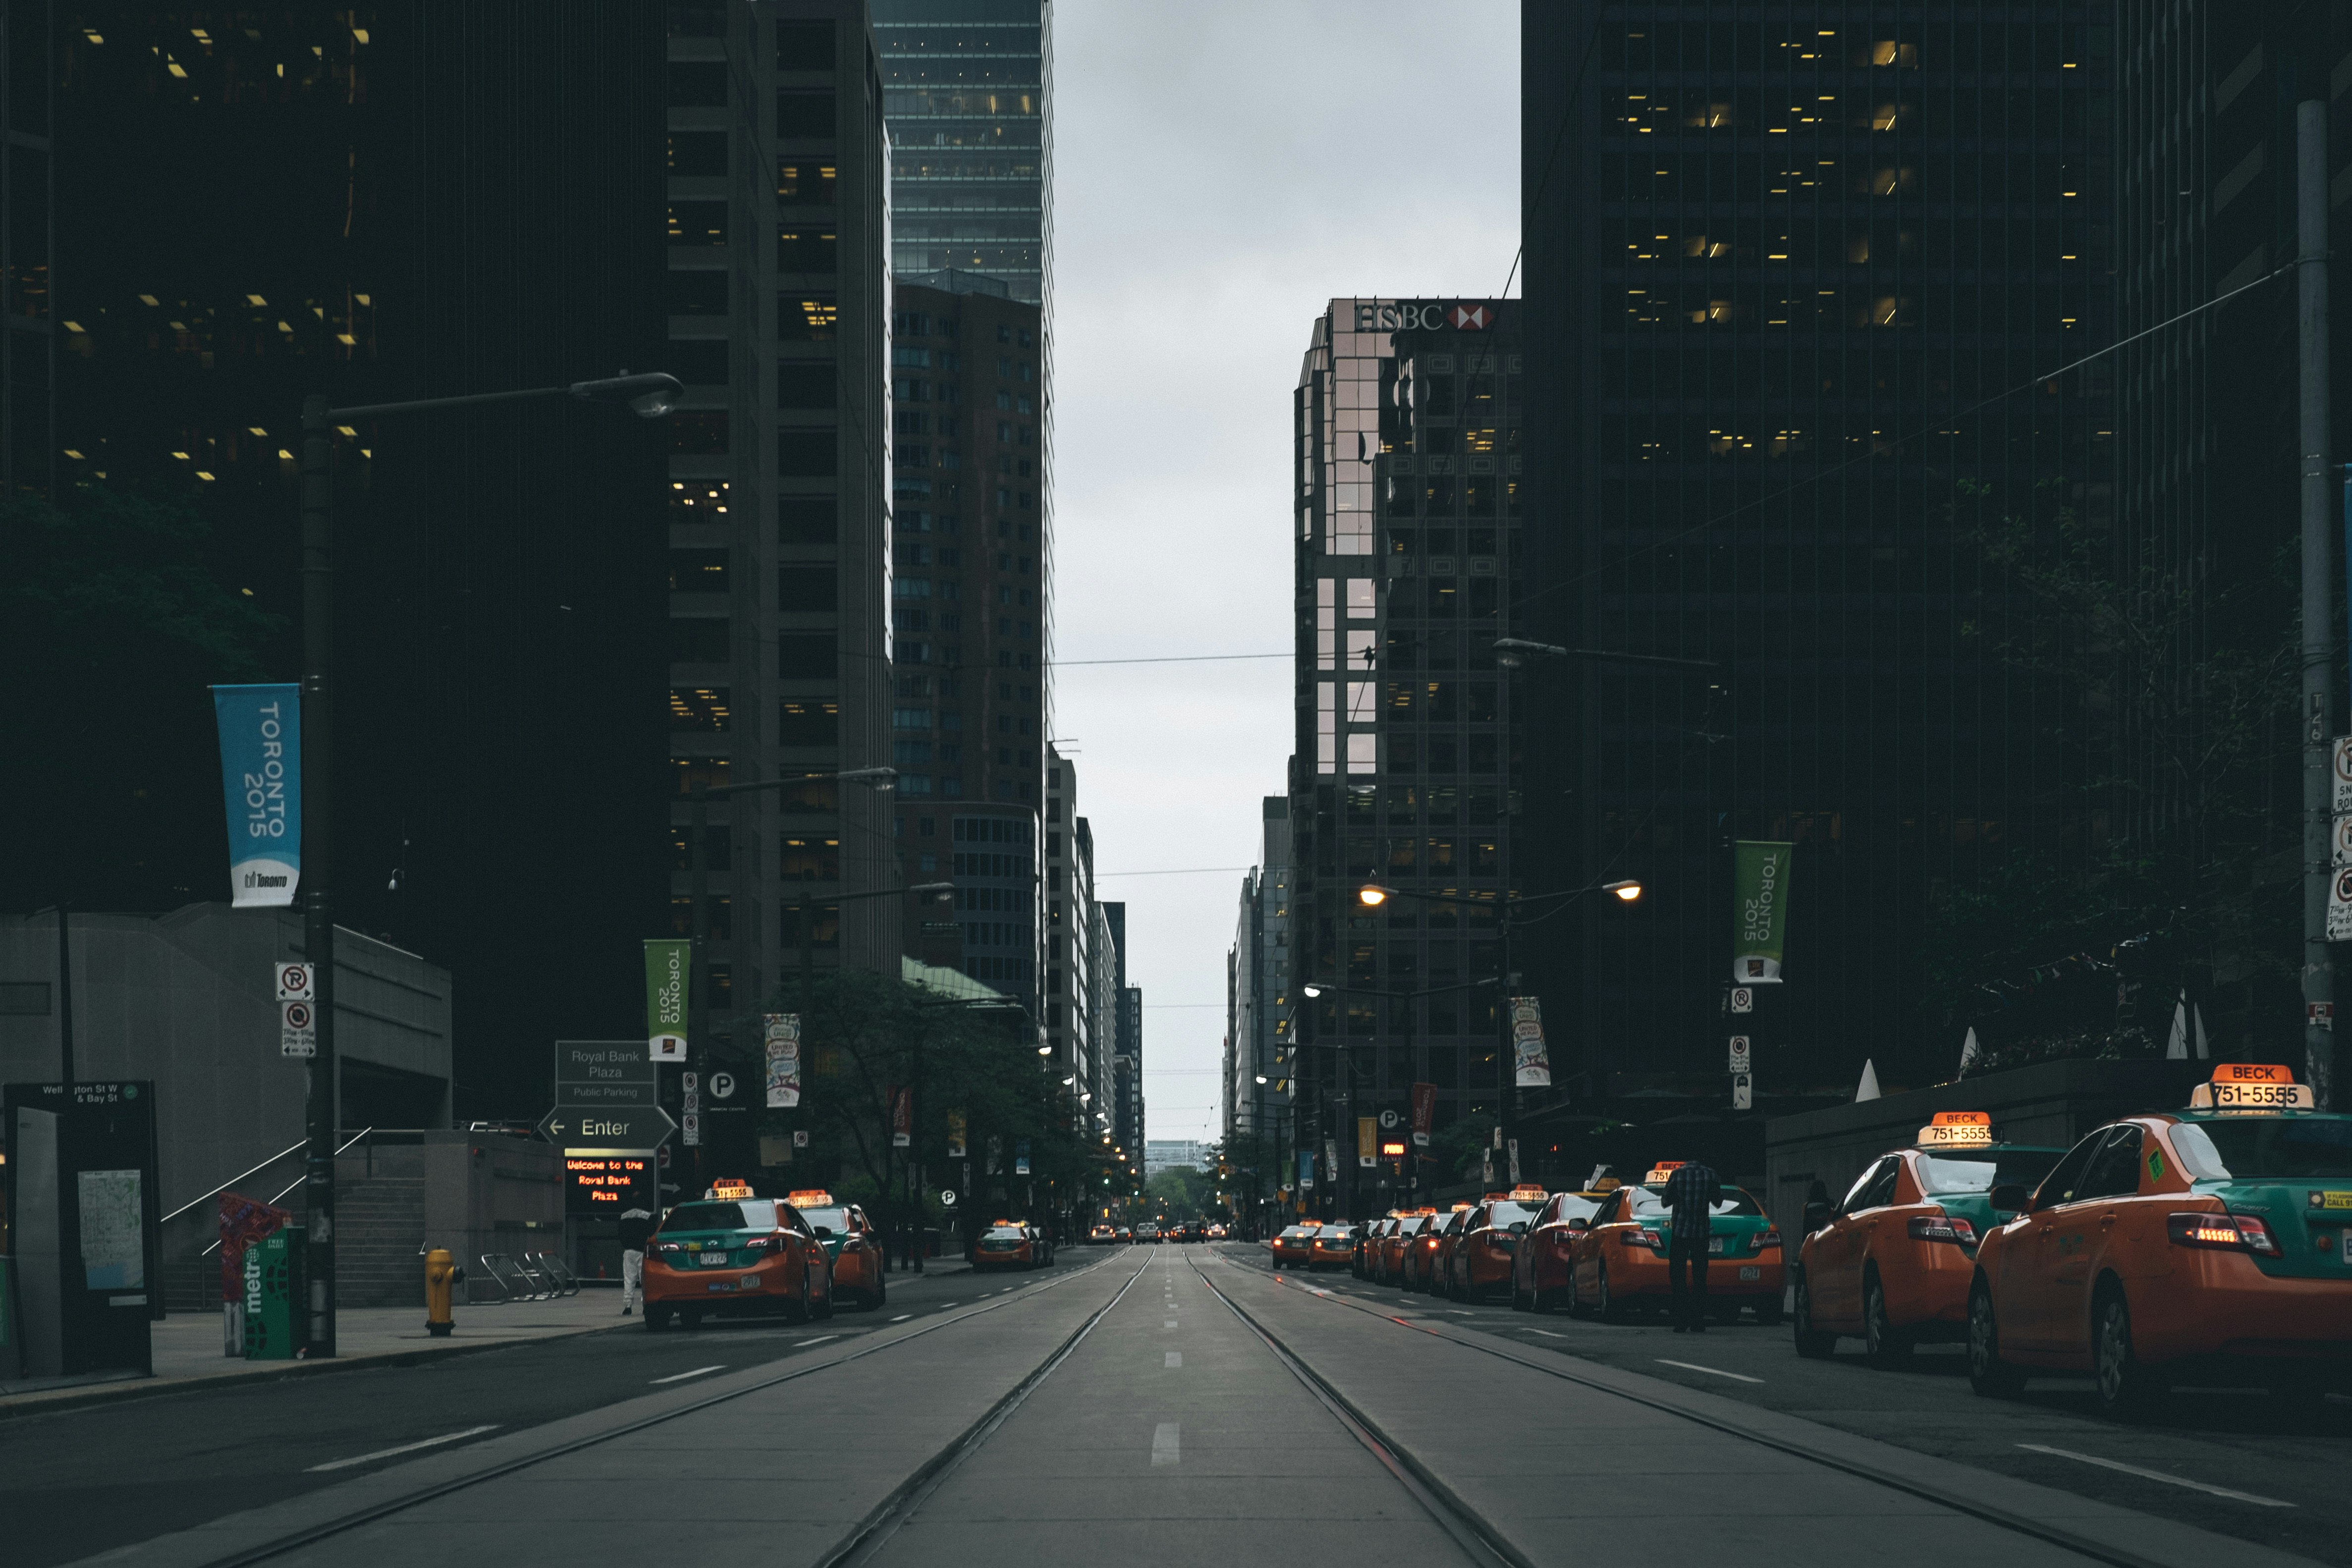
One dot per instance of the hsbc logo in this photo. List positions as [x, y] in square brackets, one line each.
[1430, 316]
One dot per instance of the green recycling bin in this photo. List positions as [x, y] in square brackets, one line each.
[275, 1291]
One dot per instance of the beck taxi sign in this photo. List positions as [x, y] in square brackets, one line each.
[1957, 1129]
[2253, 1086]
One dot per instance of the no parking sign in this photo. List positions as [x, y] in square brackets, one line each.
[298, 1034]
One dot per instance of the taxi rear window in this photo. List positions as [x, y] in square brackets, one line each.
[1295, 1232]
[835, 1220]
[2287, 1148]
[1646, 1202]
[1982, 1173]
[1006, 1233]
[1502, 1216]
[752, 1214]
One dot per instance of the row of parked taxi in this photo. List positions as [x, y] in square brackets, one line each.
[2212, 1244]
[734, 1254]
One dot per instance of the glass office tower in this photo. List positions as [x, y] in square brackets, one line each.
[1799, 282]
[967, 93]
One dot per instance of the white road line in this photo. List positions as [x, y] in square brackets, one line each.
[2156, 1476]
[944, 1305]
[1717, 1370]
[1175, 1358]
[682, 1377]
[902, 1317]
[1547, 1334]
[819, 1339]
[427, 1443]
[1165, 1444]
[1168, 1324]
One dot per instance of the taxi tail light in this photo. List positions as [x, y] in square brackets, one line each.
[765, 1244]
[1643, 1239]
[2230, 1232]
[1942, 1227]
[1766, 1238]
[668, 1247]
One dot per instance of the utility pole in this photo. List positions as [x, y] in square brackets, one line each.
[2318, 591]
[318, 494]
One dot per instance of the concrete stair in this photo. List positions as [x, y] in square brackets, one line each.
[379, 1224]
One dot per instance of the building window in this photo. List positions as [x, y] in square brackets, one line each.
[699, 640]
[807, 519]
[805, 383]
[808, 589]
[805, 453]
[808, 721]
[810, 858]
[803, 114]
[698, 152]
[807, 658]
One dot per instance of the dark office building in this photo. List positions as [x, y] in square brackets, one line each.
[377, 202]
[1406, 519]
[778, 522]
[1792, 272]
[968, 612]
[2206, 460]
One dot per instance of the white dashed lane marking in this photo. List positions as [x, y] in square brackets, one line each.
[682, 1377]
[1165, 1444]
[1175, 1358]
[2169, 1481]
[1711, 1371]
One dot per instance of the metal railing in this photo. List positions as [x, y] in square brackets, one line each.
[292, 1149]
[289, 1186]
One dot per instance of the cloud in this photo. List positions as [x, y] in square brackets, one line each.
[1222, 171]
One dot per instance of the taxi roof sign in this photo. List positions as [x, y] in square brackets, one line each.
[1528, 1190]
[809, 1197]
[1662, 1170]
[1960, 1119]
[730, 1186]
[2253, 1086]
[1957, 1130]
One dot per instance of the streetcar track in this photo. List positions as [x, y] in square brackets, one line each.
[905, 1499]
[311, 1535]
[1445, 1508]
[1952, 1498]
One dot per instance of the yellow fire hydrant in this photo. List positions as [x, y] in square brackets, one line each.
[441, 1278]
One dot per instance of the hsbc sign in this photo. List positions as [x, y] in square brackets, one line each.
[1425, 315]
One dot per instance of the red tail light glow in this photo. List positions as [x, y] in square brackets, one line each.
[2230, 1232]
[1943, 1227]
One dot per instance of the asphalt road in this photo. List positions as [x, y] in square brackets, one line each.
[1178, 1404]
[77, 1482]
[2240, 1440]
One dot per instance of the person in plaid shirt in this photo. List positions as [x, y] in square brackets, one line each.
[1692, 1192]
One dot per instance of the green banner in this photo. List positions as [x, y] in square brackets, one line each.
[668, 966]
[1759, 911]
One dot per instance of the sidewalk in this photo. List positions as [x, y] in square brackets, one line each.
[187, 1348]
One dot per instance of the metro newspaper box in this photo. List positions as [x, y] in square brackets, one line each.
[275, 1291]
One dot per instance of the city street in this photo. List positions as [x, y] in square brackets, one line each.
[1163, 1405]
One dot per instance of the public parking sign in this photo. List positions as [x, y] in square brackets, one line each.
[298, 1034]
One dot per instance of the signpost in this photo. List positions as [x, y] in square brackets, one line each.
[298, 1030]
[608, 1120]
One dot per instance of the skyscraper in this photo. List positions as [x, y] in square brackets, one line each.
[1406, 420]
[968, 88]
[1798, 282]
[780, 530]
[423, 214]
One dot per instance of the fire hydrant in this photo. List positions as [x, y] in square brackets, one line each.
[441, 1278]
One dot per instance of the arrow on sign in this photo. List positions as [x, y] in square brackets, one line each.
[600, 1127]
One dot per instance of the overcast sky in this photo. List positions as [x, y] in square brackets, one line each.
[1223, 168]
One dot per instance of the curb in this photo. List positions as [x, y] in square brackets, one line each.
[47, 1401]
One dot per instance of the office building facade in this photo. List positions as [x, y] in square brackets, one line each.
[779, 518]
[1796, 282]
[420, 215]
[1258, 992]
[1406, 535]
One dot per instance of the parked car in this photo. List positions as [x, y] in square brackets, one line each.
[2213, 1243]
[1621, 1262]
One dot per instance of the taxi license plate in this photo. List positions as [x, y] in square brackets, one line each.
[714, 1260]
[2348, 1246]
[1714, 1245]
[1751, 1273]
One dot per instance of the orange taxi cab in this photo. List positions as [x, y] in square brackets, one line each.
[732, 1254]
[1891, 1263]
[2212, 1243]
[1426, 1257]
[1295, 1247]
[1621, 1256]
[1478, 1257]
[1389, 1267]
[850, 1244]
[1333, 1244]
[1368, 1243]
[1546, 1254]
[1009, 1244]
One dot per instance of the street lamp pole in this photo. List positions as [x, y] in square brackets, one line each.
[1373, 894]
[650, 397]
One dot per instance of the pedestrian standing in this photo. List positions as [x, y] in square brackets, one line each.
[1692, 1193]
[637, 1230]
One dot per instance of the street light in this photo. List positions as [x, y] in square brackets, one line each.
[650, 397]
[1628, 890]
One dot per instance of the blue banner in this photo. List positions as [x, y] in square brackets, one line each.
[1305, 1167]
[261, 780]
